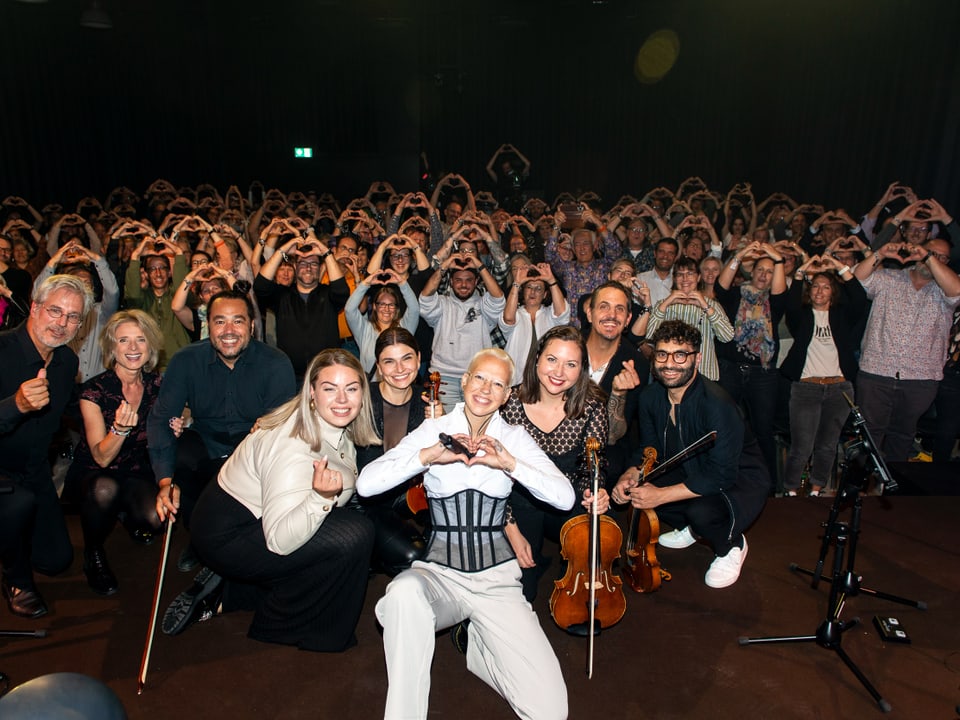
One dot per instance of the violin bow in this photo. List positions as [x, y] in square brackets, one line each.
[145, 660]
[593, 446]
[685, 454]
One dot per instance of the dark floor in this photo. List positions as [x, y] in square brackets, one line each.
[674, 655]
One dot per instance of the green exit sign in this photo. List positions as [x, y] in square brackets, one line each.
[303, 152]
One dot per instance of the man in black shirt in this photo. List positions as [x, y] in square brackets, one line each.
[717, 493]
[227, 382]
[307, 310]
[35, 386]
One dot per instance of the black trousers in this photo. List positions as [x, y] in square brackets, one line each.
[708, 516]
[33, 533]
[537, 521]
[194, 471]
[312, 597]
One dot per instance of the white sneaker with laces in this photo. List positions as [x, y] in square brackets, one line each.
[677, 539]
[724, 571]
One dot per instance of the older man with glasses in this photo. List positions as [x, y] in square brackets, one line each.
[37, 379]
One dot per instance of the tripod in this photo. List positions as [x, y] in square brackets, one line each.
[859, 456]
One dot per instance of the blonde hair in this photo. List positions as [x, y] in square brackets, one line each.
[308, 426]
[151, 331]
[492, 353]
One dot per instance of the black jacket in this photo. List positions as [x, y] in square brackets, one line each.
[846, 323]
[733, 466]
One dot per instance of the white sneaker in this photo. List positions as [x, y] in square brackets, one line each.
[677, 539]
[725, 570]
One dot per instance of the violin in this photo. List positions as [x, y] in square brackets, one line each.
[589, 596]
[643, 570]
[416, 495]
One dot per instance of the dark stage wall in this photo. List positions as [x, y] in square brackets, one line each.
[828, 101]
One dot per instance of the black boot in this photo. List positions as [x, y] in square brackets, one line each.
[100, 577]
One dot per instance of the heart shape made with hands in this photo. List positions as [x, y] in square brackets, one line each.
[478, 448]
[460, 263]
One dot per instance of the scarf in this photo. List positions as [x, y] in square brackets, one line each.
[753, 329]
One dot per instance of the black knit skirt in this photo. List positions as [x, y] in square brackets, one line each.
[312, 597]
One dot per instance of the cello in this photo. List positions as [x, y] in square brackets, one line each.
[416, 495]
[643, 570]
[589, 596]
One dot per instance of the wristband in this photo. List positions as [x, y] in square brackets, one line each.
[926, 257]
[553, 284]
[781, 261]
[844, 269]
[324, 256]
[120, 433]
[734, 264]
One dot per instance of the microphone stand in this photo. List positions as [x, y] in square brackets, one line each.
[860, 459]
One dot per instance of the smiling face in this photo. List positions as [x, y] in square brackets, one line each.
[686, 280]
[486, 386]
[664, 255]
[668, 370]
[337, 395]
[821, 293]
[231, 328]
[559, 366]
[463, 283]
[158, 274]
[49, 332]
[400, 260]
[609, 313]
[397, 365]
[131, 350]
[710, 270]
[584, 247]
[385, 308]
[308, 272]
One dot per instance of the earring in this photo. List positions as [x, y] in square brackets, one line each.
[313, 405]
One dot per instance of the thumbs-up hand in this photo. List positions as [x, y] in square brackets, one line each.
[33, 394]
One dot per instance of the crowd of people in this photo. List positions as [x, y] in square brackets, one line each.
[407, 383]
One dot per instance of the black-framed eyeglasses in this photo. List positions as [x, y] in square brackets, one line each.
[401, 255]
[678, 356]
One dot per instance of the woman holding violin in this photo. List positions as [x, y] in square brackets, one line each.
[397, 411]
[560, 407]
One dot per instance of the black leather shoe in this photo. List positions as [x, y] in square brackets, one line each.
[99, 576]
[198, 603]
[23, 602]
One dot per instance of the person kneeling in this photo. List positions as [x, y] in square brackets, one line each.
[470, 460]
[275, 519]
[716, 494]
